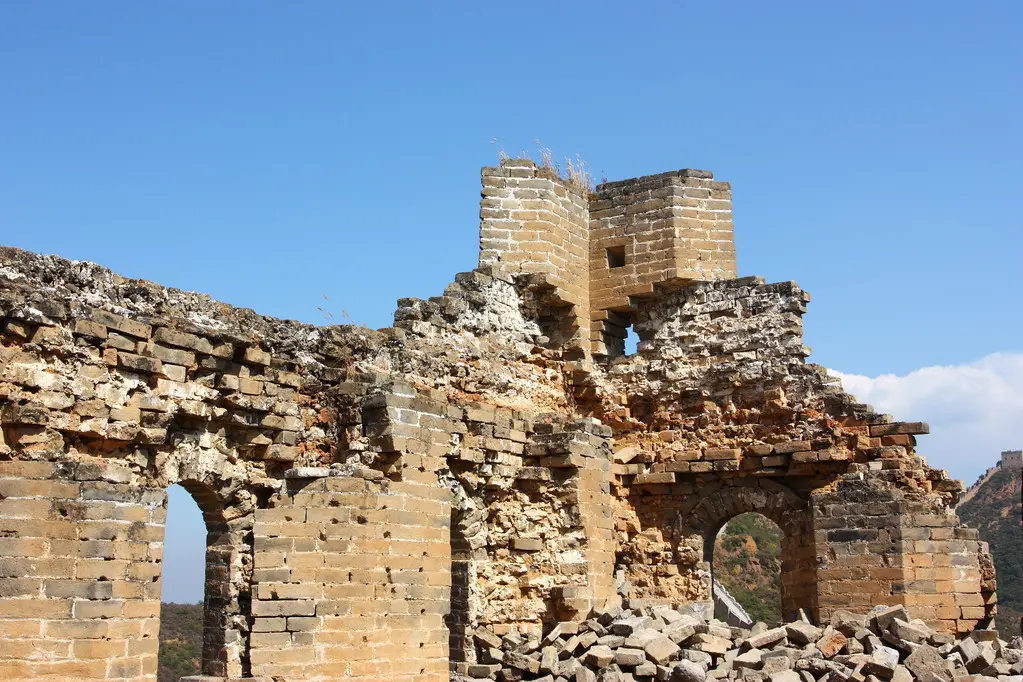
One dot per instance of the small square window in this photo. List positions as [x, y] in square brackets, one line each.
[616, 257]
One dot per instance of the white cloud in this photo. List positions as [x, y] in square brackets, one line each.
[975, 410]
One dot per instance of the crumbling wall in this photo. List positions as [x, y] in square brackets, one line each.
[381, 504]
[533, 221]
[719, 398]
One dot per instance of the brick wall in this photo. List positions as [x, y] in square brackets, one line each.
[80, 553]
[880, 545]
[352, 580]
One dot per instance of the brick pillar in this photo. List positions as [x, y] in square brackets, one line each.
[585, 447]
[352, 580]
[879, 544]
[80, 556]
[533, 221]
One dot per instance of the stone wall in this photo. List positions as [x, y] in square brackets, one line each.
[79, 571]
[351, 579]
[383, 504]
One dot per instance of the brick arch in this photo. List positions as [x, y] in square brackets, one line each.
[227, 496]
[706, 513]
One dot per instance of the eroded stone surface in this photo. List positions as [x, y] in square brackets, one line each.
[442, 494]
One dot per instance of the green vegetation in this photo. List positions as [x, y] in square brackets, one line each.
[180, 641]
[995, 511]
[747, 561]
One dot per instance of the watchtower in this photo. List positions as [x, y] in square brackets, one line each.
[1012, 459]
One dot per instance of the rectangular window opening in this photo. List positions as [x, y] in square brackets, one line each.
[616, 257]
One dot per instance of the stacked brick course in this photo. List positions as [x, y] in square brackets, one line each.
[383, 504]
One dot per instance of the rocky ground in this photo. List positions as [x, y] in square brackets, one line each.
[661, 643]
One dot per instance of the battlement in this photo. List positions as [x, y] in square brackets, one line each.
[602, 249]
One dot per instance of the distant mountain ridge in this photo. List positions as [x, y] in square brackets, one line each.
[994, 506]
[180, 641]
[972, 490]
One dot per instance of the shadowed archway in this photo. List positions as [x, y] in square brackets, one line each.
[705, 514]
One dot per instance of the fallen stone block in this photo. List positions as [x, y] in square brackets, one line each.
[627, 626]
[641, 638]
[926, 663]
[883, 617]
[802, 633]
[752, 659]
[767, 638]
[522, 662]
[831, 642]
[776, 661]
[710, 644]
[909, 632]
[985, 657]
[599, 657]
[687, 671]
[548, 659]
[629, 657]
[661, 650]
[785, 676]
[882, 663]
[847, 622]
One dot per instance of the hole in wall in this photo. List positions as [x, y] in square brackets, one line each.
[631, 340]
[747, 564]
[615, 257]
[197, 566]
[620, 337]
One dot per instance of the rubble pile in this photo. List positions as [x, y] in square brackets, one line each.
[678, 645]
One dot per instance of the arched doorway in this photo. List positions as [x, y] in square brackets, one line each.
[746, 566]
[704, 516]
[225, 607]
[183, 579]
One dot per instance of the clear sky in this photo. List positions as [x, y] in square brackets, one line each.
[269, 153]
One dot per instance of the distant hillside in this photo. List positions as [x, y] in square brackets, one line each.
[747, 561]
[180, 641]
[995, 509]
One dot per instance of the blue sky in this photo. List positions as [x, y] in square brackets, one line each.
[270, 153]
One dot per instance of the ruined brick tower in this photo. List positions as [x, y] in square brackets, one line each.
[383, 504]
[600, 251]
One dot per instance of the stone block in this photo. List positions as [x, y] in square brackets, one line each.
[527, 544]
